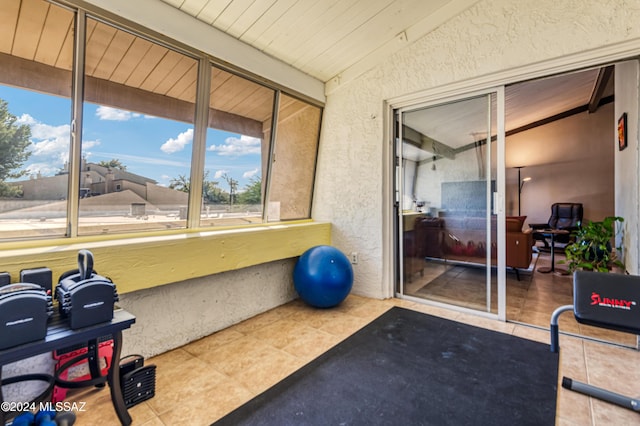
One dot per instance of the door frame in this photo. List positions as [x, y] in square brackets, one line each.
[498, 198]
[607, 54]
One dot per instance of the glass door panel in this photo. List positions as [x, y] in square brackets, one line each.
[446, 180]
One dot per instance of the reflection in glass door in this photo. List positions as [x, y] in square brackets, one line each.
[446, 192]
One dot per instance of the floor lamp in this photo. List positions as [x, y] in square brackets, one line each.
[520, 185]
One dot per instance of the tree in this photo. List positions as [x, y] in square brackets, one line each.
[233, 188]
[114, 163]
[14, 144]
[252, 193]
[181, 183]
[212, 193]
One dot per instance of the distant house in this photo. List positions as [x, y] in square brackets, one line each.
[96, 180]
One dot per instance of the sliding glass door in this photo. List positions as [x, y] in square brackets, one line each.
[449, 202]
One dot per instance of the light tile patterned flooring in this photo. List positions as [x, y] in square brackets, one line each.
[200, 382]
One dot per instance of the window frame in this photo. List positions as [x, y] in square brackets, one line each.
[206, 61]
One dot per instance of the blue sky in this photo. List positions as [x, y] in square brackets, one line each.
[153, 147]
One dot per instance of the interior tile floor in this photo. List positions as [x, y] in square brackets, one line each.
[202, 381]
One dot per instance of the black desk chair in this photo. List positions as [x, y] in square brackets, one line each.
[565, 216]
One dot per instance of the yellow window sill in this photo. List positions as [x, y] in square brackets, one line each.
[140, 261]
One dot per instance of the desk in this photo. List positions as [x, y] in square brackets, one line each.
[60, 336]
[551, 233]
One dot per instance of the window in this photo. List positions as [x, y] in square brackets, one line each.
[139, 139]
[294, 160]
[137, 132]
[238, 141]
[36, 57]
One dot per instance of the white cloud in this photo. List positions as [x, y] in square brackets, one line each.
[178, 144]
[250, 173]
[43, 168]
[49, 145]
[219, 173]
[233, 146]
[114, 114]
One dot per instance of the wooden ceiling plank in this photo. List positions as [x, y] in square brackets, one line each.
[282, 26]
[65, 55]
[162, 70]
[146, 64]
[231, 14]
[298, 29]
[254, 35]
[118, 47]
[98, 43]
[185, 73]
[385, 25]
[249, 17]
[328, 37]
[192, 7]
[130, 60]
[54, 33]
[218, 78]
[33, 14]
[212, 10]
[9, 13]
[27, 74]
[227, 95]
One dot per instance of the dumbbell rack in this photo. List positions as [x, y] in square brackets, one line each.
[60, 335]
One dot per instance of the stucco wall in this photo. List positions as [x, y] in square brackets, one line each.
[492, 36]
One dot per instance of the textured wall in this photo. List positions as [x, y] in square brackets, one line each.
[492, 36]
[173, 315]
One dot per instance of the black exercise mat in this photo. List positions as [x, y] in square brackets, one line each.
[409, 368]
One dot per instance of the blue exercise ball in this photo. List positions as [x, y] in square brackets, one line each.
[323, 276]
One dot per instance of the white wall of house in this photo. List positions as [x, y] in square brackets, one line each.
[627, 164]
[569, 160]
[490, 37]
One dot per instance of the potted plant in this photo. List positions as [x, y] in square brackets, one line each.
[592, 248]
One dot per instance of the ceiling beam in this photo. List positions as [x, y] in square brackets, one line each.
[604, 75]
[18, 72]
[427, 143]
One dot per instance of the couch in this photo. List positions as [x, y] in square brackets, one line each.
[462, 238]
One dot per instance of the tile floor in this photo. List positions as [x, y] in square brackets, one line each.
[200, 382]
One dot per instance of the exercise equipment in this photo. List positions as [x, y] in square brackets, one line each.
[80, 365]
[84, 297]
[65, 418]
[45, 418]
[138, 381]
[23, 419]
[323, 276]
[25, 309]
[603, 300]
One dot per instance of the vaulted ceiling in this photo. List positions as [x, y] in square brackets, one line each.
[328, 39]
[325, 38]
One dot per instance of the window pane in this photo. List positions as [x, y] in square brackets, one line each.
[293, 169]
[36, 56]
[137, 133]
[237, 149]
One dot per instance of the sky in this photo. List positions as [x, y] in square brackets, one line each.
[152, 147]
